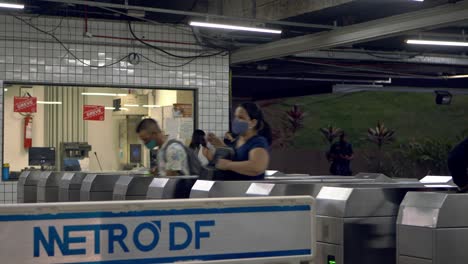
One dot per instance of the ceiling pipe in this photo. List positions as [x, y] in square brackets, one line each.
[350, 88]
[357, 74]
[374, 55]
[367, 31]
[350, 67]
[190, 13]
[368, 75]
[388, 81]
[460, 36]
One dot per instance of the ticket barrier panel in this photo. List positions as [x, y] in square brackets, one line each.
[302, 187]
[176, 187]
[375, 222]
[131, 188]
[357, 224]
[312, 187]
[21, 181]
[435, 179]
[98, 187]
[432, 228]
[48, 187]
[273, 186]
[360, 176]
[208, 189]
[27, 185]
[70, 186]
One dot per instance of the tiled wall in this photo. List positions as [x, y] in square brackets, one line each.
[8, 192]
[27, 55]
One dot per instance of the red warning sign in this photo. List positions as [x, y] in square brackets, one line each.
[25, 104]
[93, 112]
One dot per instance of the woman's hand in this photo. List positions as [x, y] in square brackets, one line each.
[208, 153]
[229, 136]
[223, 164]
[215, 141]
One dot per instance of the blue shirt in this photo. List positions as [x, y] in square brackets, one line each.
[242, 154]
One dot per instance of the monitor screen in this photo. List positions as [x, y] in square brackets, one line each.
[42, 156]
[135, 153]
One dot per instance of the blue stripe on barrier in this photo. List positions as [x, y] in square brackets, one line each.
[170, 212]
[229, 256]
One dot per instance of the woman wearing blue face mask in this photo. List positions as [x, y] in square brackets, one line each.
[251, 147]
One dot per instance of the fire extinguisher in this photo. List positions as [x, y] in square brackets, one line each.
[28, 131]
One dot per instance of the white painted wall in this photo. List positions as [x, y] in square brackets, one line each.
[184, 97]
[101, 135]
[16, 155]
[166, 97]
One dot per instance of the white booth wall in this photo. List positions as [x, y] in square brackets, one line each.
[100, 140]
[31, 57]
[13, 128]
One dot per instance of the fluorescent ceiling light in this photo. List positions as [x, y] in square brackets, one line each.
[223, 26]
[419, 0]
[49, 103]
[6, 90]
[9, 5]
[437, 42]
[457, 76]
[151, 106]
[104, 94]
[131, 105]
[113, 108]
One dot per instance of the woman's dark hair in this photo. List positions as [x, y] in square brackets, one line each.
[262, 127]
[198, 138]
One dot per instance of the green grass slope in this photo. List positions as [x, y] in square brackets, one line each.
[411, 115]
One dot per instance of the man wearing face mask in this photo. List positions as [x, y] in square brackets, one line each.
[171, 160]
[251, 147]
